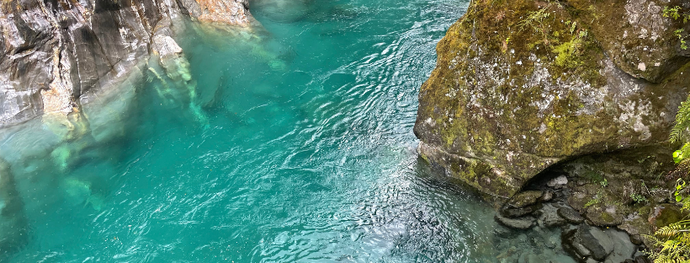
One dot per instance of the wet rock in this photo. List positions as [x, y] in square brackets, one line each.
[57, 52]
[587, 243]
[550, 218]
[516, 223]
[582, 244]
[570, 215]
[522, 204]
[642, 259]
[623, 248]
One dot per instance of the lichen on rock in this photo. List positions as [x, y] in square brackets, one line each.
[522, 85]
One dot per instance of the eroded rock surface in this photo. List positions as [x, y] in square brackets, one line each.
[55, 52]
[522, 85]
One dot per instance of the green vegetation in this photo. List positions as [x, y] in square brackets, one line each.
[673, 241]
[592, 202]
[675, 13]
[638, 198]
[569, 53]
[604, 183]
[535, 20]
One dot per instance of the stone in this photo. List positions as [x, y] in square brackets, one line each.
[604, 216]
[496, 125]
[522, 204]
[516, 223]
[524, 199]
[592, 243]
[570, 215]
[665, 214]
[623, 248]
[558, 182]
[548, 195]
[550, 218]
[50, 60]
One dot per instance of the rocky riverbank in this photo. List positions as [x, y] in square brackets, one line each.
[69, 73]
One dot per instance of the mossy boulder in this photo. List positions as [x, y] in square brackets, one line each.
[521, 85]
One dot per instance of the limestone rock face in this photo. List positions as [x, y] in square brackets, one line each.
[234, 12]
[55, 52]
[521, 85]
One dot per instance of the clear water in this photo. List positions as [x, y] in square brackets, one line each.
[305, 153]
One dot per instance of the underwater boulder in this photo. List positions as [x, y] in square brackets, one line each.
[13, 224]
[283, 11]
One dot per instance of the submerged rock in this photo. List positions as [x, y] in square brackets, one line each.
[587, 243]
[13, 224]
[516, 223]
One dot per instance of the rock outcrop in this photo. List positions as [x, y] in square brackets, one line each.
[522, 85]
[55, 52]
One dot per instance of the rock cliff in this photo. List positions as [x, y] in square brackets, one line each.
[69, 70]
[56, 51]
[522, 85]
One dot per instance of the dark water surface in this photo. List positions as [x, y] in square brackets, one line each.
[304, 153]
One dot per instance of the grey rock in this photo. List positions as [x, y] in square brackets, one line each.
[522, 204]
[550, 217]
[500, 117]
[558, 182]
[517, 223]
[548, 195]
[55, 53]
[570, 215]
[600, 245]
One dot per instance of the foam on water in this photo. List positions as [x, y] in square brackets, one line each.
[307, 154]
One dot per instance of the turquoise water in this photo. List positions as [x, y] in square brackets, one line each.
[304, 153]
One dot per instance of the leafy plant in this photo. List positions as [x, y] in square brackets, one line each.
[592, 202]
[676, 13]
[535, 20]
[604, 183]
[638, 198]
[679, 130]
[567, 54]
[673, 242]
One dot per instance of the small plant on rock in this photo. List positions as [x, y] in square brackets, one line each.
[535, 20]
[676, 13]
[638, 198]
[672, 242]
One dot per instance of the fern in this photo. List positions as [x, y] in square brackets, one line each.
[672, 242]
[682, 121]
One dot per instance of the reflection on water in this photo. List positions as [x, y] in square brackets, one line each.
[305, 152]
